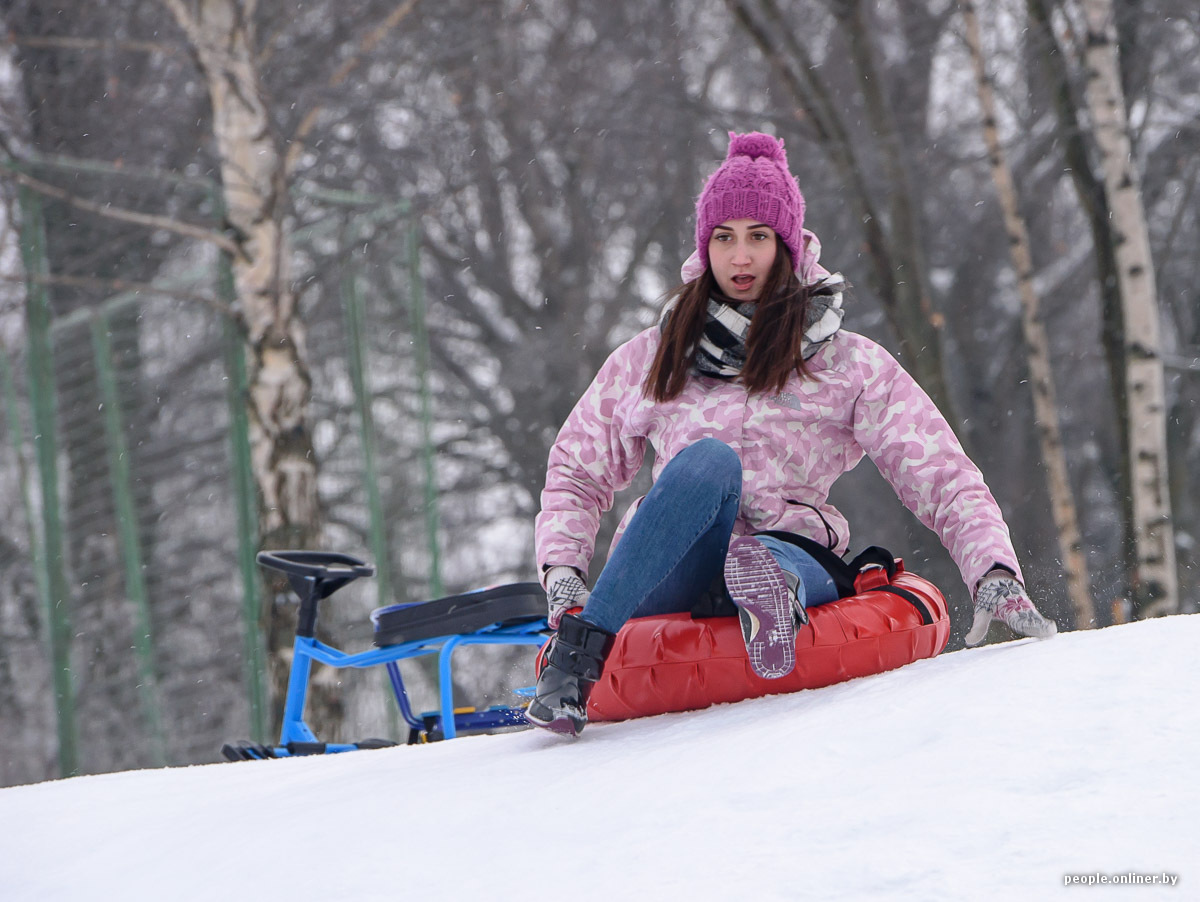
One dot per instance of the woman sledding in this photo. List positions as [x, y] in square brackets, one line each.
[755, 401]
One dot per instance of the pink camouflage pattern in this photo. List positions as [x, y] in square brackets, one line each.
[793, 446]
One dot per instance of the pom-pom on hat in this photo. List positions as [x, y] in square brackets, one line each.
[752, 183]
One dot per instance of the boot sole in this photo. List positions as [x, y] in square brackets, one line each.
[759, 590]
[558, 722]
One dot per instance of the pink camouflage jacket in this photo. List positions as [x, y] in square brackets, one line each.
[793, 446]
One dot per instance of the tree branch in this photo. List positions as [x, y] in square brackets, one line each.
[185, 19]
[125, 285]
[40, 42]
[1181, 364]
[143, 219]
[369, 43]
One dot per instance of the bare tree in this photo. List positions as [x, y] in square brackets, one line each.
[549, 197]
[547, 155]
[1042, 377]
[898, 266]
[1054, 61]
[1155, 577]
[222, 35]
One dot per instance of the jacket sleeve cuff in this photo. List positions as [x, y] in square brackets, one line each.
[996, 567]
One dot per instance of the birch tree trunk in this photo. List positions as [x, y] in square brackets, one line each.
[1041, 376]
[221, 33]
[1155, 579]
[1089, 188]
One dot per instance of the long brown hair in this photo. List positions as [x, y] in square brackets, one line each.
[772, 347]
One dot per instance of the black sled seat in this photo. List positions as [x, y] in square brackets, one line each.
[510, 614]
[509, 605]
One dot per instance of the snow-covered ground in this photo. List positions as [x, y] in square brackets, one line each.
[987, 774]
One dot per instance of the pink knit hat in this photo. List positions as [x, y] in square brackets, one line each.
[752, 183]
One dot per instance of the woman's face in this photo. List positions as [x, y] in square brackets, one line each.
[741, 253]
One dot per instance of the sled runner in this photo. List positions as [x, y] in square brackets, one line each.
[512, 614]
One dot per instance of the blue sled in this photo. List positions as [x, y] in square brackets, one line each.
[512, 614]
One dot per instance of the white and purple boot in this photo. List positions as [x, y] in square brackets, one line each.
[759, 588]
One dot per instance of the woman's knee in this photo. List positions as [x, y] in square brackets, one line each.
[715, 453]
[711, 459]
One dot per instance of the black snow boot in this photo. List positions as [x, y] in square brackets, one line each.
[573, 663]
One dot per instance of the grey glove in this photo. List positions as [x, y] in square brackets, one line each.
[566, 593]
[1001, 597]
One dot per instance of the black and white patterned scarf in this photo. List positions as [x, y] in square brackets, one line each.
[721, 351]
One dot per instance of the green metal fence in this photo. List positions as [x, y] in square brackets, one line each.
[128, 456]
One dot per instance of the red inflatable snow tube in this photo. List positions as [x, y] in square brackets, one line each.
[676, 663]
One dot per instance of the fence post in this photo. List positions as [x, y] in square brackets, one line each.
[45, 437]
[421, 350]
[245, 503]
[121, 481]
[352, 307]
[16, 434]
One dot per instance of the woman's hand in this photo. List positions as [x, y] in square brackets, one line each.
[566, 594]
[1001, 597]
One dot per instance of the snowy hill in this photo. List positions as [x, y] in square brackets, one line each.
[983, 774]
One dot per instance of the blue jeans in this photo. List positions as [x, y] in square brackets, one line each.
[674, 546]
